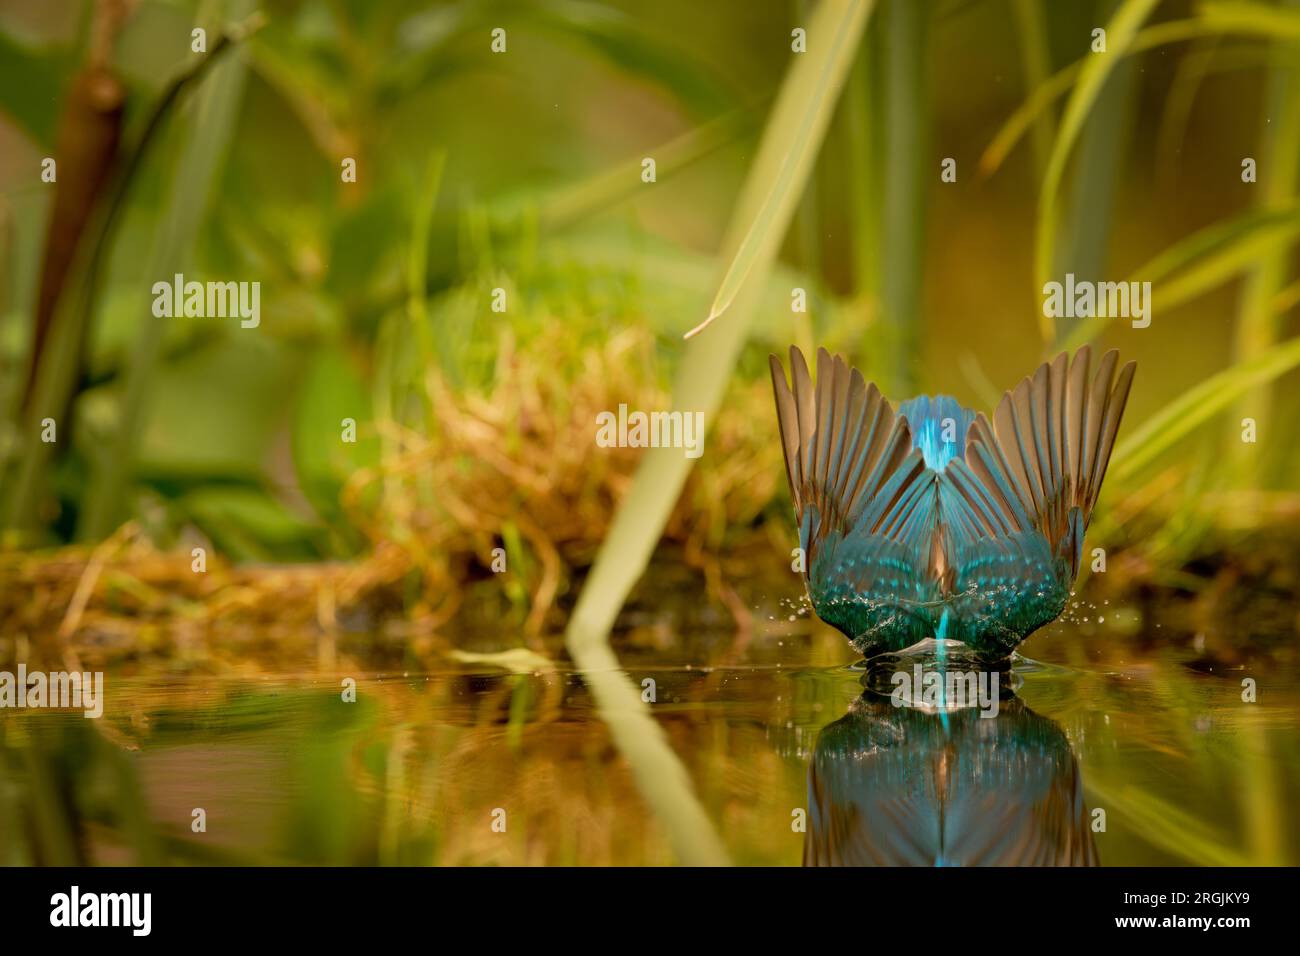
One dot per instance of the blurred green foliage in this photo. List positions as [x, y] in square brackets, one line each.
[479, 171]
[198, 424]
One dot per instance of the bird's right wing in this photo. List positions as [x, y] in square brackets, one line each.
[1014, 511]
[1046, 453]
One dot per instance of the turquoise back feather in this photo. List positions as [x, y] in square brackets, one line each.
[938, 426]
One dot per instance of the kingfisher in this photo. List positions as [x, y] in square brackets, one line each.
[929, 522]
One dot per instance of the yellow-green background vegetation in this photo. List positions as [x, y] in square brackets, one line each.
[522, 171]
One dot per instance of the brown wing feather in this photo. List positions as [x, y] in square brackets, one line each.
[1051, 439]
[842, 439]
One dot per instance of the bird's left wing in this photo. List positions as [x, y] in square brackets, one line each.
[863, 498]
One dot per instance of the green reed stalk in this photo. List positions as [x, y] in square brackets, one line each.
[1036, 61]
[906, 175]
[794, 133]
[203, 143]
[1258, 324]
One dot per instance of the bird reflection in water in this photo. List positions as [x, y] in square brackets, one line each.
[910, 784]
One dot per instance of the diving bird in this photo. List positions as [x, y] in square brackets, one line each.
[931, 522]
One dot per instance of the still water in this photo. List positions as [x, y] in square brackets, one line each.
[1145, 753]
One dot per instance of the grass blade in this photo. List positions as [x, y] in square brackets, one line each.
[1189, 76]
[59, 368]
[1276, 22]
[203, 146]
[1205, 260]
[1087, 226]
[1169, 827]
[1213, 22]
[1061, 82]
[1198, 405]
[865, 146]
[1257, 324]
[1120, 33]
[905, 179]
[700, 383]
[1036, 58]
[799, 121]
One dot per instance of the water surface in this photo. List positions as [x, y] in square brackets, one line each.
[789, 756]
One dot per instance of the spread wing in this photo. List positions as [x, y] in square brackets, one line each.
[1046, 453]
[862, 496]
[1020, 502]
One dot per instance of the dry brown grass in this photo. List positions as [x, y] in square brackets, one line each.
[515, 466]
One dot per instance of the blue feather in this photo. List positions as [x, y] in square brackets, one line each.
[930, 417]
